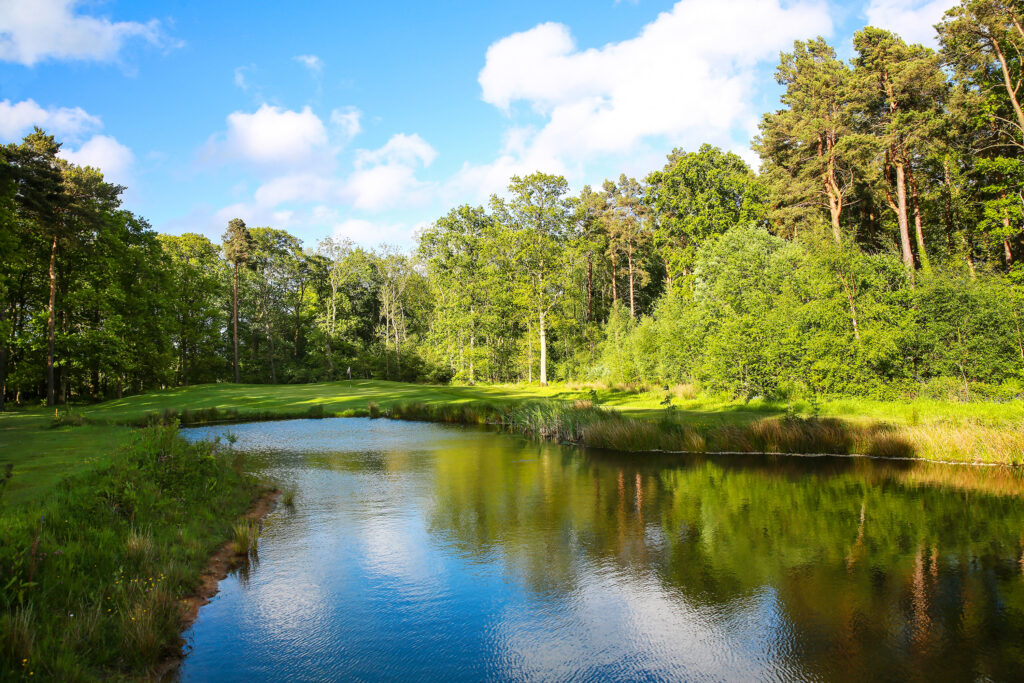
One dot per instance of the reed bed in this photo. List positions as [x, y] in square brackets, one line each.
[582, 423]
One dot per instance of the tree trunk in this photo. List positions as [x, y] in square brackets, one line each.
[270, 345]
[590, 287]
[51, 387]
[1007, 252]
[234, 317]
[835, 197]
[529, 353]
[1008, 83]
[901, 217]
[298, 321]
[543, 351]
[632, 300]
[918, 229]
[615, 280]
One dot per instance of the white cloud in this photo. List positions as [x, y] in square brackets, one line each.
[311, 62]
[297, 187]
[383, 187]
[64, 123]
[35, 30]
[386, 177]
[240, 79]
[382, 178]
[676, 82]
[371, 233]
[913, 20]
[18, 118]
[348, 121]
[401, 149]
[105, 153]
[272, 135]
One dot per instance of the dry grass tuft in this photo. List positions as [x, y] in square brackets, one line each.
[685, 392]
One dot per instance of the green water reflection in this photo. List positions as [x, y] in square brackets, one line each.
[854, 569]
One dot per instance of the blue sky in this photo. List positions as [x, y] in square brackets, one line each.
[369, 120]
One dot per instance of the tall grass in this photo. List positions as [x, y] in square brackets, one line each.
[585, 424]
[93, 576]
[245, 537]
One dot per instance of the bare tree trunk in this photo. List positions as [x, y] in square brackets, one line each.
[1008, 83]
[615, 281]
[543, 352]
[1007, 252]
[919, 231]
[330, 360]
[270, 346]
[632, 300]
[901, 217]
[835, 197]
[529, 353]
[234, 317]
[590, 287]
[51, 387]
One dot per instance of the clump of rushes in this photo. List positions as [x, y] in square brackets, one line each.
[315, 412]
[246, 537]
[94, 576]
[288, 498]
[374, 409]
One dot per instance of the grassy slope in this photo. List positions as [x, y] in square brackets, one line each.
[42, 455]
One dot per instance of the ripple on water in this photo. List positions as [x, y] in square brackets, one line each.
[430, 552]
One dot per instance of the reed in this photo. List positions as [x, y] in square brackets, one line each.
[584, 423]
[245, 537]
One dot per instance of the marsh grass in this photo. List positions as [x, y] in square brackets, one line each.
[93, 575]
[582, 422]
[288, 498]
[245, 537]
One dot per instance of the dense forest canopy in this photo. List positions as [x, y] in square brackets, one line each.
[877, 252]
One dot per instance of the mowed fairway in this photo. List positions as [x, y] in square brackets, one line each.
[42, 455]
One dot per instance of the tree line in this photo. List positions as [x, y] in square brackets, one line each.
[877, 252]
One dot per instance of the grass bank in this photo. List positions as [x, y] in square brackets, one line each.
[94, 573]
[929, 429]
[585, 424]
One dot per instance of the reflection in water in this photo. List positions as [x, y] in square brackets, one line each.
[421, 551]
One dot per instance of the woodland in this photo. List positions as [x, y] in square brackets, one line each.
[876, 252]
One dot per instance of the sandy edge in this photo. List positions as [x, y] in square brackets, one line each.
[217, 568]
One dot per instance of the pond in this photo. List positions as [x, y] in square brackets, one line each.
[429, 552]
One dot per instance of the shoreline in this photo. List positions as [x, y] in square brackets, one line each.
[217, 568]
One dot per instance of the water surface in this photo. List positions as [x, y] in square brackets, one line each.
[431, 552]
